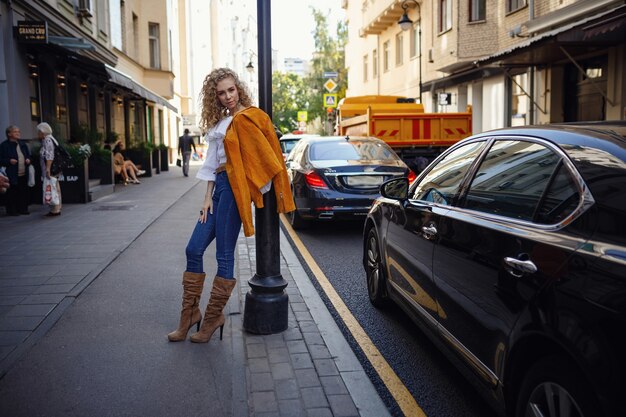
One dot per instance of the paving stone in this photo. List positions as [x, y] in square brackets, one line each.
[301, 361]
[325, 367]
[279, 355]
[5, 350]
[31, 310]
[11, 300]
[287, 389]
[20, 290]
[261, 382]
[299, 307]
[297, 346]
[256, 350]
[314, 397]
[313, 339]
[333, 385]
[20, 323]
[264, 402]
[303, 316]
[254, 338]
[296, 298]
[319, 352]
[291, 408]
[43, 299]
[282, 370]
[319, 412]
[55, 289]
[270, 414]
[22, 282]
[65, 279]
[275, 343]
[307, 378]
[258, 365]
[9, 338]
[292, 333]
[308, 327]
[342, 406]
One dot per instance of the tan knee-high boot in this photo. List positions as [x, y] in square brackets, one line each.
[190, 314]
[214, 317]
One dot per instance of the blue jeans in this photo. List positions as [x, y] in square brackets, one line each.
[223, 225]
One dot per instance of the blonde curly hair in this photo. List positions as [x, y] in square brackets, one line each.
[212, 110]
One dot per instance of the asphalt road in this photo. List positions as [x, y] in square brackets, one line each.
[439, 389]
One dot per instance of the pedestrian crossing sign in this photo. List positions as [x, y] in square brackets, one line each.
[330, 100]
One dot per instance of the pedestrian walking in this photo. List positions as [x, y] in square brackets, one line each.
[185, 143]
[46, 156]
[239, 135]
[15, 157]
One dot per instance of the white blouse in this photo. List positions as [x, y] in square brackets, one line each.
[216, 154]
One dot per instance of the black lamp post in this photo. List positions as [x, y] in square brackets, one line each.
[406, 24]
[266, 309]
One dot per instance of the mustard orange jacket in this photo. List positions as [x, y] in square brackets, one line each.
[253, 158]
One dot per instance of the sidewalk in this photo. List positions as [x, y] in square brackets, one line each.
[87, 298]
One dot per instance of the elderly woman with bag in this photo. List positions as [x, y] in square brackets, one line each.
[46, 157]
[15, 156]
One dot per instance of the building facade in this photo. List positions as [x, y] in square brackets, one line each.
[515, 61]
[98, 66]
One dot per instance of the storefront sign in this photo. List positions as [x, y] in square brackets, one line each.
[31, 31]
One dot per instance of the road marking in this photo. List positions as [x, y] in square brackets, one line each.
[398, 390]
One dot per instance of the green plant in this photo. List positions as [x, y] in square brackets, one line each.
[77, 156]
[162, 147]
[111, 137]
[144, 147]
[101, 154]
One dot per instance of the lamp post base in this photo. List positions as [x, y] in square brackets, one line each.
[267, 306]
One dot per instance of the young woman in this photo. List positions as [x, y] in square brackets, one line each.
[239, 136]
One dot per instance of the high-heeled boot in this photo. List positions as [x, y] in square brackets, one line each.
[214, 316]
[190, 314]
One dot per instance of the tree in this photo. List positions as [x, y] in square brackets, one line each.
[329, 55]
[289, 95]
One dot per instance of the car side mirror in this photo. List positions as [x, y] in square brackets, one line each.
[396, 189]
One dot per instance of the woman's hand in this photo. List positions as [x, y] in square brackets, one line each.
[206, 208]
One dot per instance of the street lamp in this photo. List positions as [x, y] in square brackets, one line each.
[406, 24]
[250, 66]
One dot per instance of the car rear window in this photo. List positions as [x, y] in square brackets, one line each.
[288, 145]
[351, 151]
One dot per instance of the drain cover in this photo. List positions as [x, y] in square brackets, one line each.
[113, 208]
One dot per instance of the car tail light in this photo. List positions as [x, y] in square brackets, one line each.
[314, 180]
[411, 176]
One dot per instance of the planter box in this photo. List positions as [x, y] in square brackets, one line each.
[142, 160]
[75, 184]
[102, 170]
[156, 160]
[165, 163]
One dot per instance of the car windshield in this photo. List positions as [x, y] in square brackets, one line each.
[288, 145]
[352, 150]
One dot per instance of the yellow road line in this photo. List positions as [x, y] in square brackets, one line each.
[400, 393]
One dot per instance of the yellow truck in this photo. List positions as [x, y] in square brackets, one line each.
[402, 124]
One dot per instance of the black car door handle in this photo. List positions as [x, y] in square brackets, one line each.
[526, 267]
[429, 231]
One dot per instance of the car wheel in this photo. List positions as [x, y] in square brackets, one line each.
[297, 222]
[374, 270]
[553, 388]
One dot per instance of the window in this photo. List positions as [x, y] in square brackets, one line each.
[445, 15]
[560, 200]
[415, 45]
[520, 103]
[102, 16]
[123, 25]
[512, 180]
[386, 56]
[441, 184]
[513, 5]
[135, 35]
[477, 10]
[153, 38]
[399, 49]
[364, 68]
[375, 63]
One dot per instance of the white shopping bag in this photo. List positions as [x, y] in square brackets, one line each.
[50, 195]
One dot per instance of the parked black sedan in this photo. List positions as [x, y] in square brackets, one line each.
[339, 176]
[509, 250]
